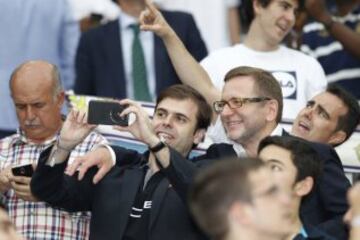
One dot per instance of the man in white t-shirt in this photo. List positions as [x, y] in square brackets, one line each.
[300, 76]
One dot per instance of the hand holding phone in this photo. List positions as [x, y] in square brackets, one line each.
[106, 113]
[24, 170]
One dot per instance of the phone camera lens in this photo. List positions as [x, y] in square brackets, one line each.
[115, 117]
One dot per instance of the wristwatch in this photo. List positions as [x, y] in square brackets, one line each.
[157, 147]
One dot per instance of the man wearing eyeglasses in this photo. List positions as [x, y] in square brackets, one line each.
[250, 108]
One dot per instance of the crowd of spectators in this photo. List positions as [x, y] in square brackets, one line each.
[228, 70]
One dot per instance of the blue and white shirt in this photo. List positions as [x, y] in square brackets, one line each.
[339, 65]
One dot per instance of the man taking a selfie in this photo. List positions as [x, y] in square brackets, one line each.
[147, 198]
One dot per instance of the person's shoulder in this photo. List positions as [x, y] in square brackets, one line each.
[223, 53]
[175, 14]
[317, 233]
[101, 29]
[295, 52]
[326, 151]
[9, 141]
[301, 57]
[7, 145]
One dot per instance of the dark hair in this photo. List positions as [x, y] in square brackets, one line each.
[247, 10]
[216, 189]
[183, 92]
[350, 120]
[265, 84]
[305, 159]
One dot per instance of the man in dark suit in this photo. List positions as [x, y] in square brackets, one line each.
[147, 198]
[250, 109]
[104, 56]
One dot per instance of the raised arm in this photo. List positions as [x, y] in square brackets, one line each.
[349, 38]
[188, 69]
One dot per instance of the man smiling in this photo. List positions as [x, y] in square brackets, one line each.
[300, 76]
[147, 199]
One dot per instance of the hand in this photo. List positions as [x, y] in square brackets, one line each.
[354, 198]
[142, 128]
[4, 179]
[21, 187]
[317, 9]
[152, 20]
[99, 157]
[74, 129]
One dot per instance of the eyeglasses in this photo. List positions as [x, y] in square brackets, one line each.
[236, 103]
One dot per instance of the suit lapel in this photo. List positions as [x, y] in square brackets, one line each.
[131, 181]
[158, 198]
[284, 133]
[114, 54]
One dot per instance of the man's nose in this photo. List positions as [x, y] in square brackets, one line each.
[226, 110]
[290, 16]
[308, 112]
[30, 115]
[167, 121]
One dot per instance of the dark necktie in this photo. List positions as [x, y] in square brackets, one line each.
[140, 84]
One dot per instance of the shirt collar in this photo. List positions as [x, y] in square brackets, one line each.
[278, 131]
[20, 138]
[125, 20]
[240, 151]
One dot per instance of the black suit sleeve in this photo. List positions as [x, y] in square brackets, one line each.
[51, 185]
[334, 186]
[327, 204]
[181, 172]
[217, 151]
[125, 157]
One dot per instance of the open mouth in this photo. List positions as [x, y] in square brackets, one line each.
[165, 137]
[303, 126]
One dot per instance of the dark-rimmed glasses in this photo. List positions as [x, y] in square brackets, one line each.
[236, 103]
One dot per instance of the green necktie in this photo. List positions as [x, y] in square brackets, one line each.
[140, 84]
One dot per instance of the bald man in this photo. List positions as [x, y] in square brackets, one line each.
[38, 97]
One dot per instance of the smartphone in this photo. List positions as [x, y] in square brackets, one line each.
[24, 170]
[106, 113]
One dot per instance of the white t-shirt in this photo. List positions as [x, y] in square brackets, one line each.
[210, 16]
[300, 76]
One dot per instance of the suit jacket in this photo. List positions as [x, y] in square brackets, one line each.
[325, 206]
[314, 233]
[111, 200]
[99, 60]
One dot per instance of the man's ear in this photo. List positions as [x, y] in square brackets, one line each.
[239, 213]
[337, 137]
[199, 136]
[60, 98]
[256, 6]
[272, 110]
[304, 187]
